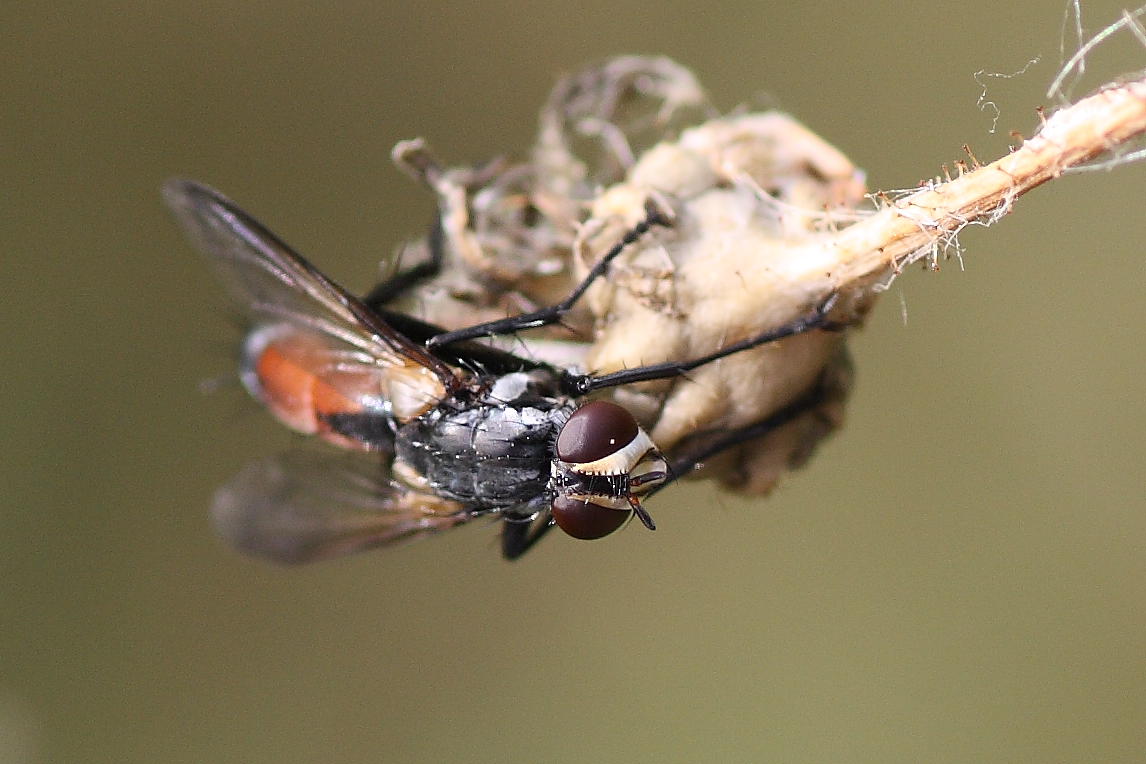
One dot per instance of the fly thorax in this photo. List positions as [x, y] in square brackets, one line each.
[488, 453]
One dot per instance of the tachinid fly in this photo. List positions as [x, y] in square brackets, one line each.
[455, 429]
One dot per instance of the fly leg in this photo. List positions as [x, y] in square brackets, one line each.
[519, 535]
[690, 458]
[402, 281]
[654, 216]
[581, 384]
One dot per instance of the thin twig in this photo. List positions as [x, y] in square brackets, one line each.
[912, 226]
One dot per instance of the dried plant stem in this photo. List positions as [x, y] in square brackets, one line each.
[925, 222]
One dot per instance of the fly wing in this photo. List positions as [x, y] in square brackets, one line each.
[303, 506]
[273, 285]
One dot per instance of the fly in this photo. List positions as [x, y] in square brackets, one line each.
[457, 429]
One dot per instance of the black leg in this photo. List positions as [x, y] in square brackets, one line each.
[473, 355]
[654, 216]
[684, 463]
[519, 536]
[580, 384]
[400, 282]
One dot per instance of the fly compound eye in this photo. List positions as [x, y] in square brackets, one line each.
[582, 519]
[594, 432]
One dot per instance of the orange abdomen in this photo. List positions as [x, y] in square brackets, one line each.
[297, 377]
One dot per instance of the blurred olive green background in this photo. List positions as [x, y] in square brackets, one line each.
[957, 577]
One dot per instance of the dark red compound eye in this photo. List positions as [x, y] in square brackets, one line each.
[594, 431]
[585, 520]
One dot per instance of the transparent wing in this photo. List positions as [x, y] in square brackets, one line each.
[302, 506]
[273, 285]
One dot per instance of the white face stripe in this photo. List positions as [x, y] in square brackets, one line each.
[618, 462]
[603, 501]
